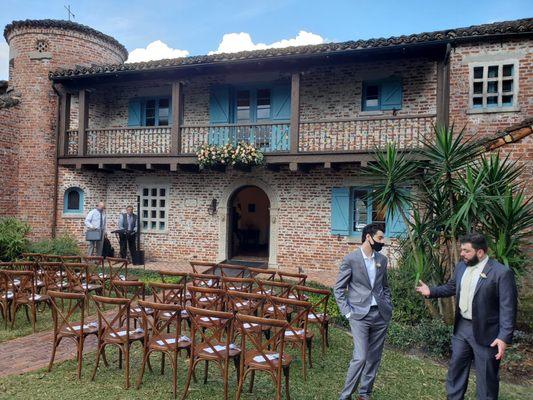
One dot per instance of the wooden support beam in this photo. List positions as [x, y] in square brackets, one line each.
[83, 121]
[295, 112]
[443, 89]
[64, 123]
[177, 118]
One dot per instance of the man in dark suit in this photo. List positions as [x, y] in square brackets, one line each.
[485, 313]
[127, 225]
[364, 297]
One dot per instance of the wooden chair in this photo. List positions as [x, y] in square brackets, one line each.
[318, 314]
[212, 345]
[269, 356]
[171, 293]
[135, 291]
[204, 280]
[209, 299]
[174, 277]
[71, 259]
[51, 258]
[64, 327]
[203, 267]
[78, 279]
[97, 272]
[117, 331]
[238, 284]
[274, 288]
[36, 257]
[118, 269]
[248, 304]
[292, 277]
[263, 273]
[22, 285]
[53, 276]
[6, 296]
[166, 336]
[296, 313]
[234, 271]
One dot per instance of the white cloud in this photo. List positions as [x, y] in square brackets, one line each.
[4, 61]
[234, 42]
[156, 50]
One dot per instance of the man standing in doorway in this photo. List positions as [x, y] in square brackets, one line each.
[485, 313]
[364, 297]
[127, 225]
[95, 222]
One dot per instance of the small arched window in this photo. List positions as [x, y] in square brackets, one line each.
[73, 202]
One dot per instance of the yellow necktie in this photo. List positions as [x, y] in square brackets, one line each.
[466, 289]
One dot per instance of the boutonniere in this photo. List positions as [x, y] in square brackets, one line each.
[378, 265]
[483, 275]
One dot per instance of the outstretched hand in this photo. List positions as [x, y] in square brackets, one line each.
[423, 289]
[501, 348]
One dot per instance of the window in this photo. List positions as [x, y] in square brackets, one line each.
[73, 201]
[385, 94]
[493, 85]
[154, 200]
[353, 207]
[154, 111]
[252, 105]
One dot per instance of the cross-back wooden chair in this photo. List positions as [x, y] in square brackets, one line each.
[77, 275]
[238, 284]
[135, 291]
[263, 273]
[22, 285]
[71, 259]
[213, 345]
[296, 313]
[51, 258]
[209, 299]
[118, 269]
[203, 267]
[234, 271]
[249, 304]
[36, 257]
[204, 280]
[170, 293]
[53, 275]
[66, 328]
[274, 288]
[97, 272]
[263, 356]
[6, 296]
[166, 337]
[116, 330]
[174, 277]
[318, 313]
[29, 266]
[292, 277]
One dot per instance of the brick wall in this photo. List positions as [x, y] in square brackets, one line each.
[9, 121]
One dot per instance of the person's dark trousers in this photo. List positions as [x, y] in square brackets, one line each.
[127, 240]
[466, 350]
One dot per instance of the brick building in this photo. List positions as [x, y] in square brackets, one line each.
[78, 126]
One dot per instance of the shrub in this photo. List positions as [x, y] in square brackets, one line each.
[13, 240]
[61, 246]
[409, 307]
[431, 336]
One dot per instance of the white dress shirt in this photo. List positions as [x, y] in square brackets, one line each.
[370, 264]
[469, 282]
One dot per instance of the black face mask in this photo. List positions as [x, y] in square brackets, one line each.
[376, 246]
[473, 261]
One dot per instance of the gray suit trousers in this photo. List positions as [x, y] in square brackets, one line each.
[369, 337]
[465, 349]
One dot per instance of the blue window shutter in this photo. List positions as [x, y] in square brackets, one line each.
[219, 105]
[340, 211]
[134, 112]
[281, 102]
[391, 94]
[394, 225]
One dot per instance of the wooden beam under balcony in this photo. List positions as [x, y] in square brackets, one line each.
[295, 112]
[177, 118]
[443, 89]
[64, 122]
[83, 121]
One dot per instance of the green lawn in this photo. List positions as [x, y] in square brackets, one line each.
[401, 377]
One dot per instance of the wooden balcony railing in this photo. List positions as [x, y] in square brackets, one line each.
[323, 136]
[363, 134]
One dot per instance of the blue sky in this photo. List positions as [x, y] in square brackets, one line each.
[198, 26]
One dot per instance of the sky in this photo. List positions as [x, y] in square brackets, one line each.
[158, 29]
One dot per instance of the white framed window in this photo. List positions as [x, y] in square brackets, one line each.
[154, 207]
[494, 86]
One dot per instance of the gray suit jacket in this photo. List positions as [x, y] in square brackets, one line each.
[494, 303]
[353, 278]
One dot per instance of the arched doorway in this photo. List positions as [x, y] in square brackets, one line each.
[248, 224]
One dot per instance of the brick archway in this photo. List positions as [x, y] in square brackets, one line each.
[224, 228]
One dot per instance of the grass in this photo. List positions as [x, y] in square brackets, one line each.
[401, 377]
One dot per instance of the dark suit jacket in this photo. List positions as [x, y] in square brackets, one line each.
[123, 222]
[494, 303]
[354, 277]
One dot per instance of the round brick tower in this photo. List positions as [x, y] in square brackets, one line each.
[37, 47]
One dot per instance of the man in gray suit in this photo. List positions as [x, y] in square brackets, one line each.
[485, 314]
[368, 306]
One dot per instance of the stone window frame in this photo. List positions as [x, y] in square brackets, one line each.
[484, 80]
[157, 208]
